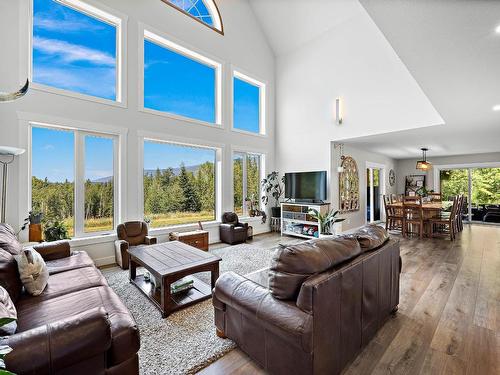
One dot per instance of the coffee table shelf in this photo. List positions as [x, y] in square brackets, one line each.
[168, 262]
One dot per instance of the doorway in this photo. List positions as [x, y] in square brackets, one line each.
[375, 190]
[480, 184]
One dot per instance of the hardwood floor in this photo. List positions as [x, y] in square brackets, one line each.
[449, 313]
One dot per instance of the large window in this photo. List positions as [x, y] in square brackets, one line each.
[73, 179]
[247, 194]
[75, 48]
[179, 183]
[248, 104]
[180, 82]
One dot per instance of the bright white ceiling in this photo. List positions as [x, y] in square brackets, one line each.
[449, 46]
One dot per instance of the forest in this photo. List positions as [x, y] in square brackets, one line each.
[171, 196]
[485, 184]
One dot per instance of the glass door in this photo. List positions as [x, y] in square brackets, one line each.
[480, 186]
[374, 194]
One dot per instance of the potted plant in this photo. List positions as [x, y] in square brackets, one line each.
[33, 222]
[274, 186]
[326, 221]
[55, 230]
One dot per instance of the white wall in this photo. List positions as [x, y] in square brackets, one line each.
[243, 47]
[406, 167]
[358, 218]
[352, 60]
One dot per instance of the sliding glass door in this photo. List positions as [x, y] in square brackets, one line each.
[481, 187]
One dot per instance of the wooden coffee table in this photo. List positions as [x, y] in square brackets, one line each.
[169, 262]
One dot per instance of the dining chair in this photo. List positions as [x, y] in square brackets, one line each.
[392, 216]
[412, 199]
[413, 215]
[446, 224]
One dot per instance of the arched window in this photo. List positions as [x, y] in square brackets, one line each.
[204, 11]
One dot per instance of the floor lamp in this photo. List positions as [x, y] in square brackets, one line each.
[7, 156]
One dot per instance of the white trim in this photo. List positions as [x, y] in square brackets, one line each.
[169, 42]
[382, 181]
[80, 129]
[144, 136]
[102, 13]
[261, 85]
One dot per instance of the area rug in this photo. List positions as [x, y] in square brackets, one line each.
[185, 342]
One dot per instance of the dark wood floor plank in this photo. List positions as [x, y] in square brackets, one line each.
[449, 313]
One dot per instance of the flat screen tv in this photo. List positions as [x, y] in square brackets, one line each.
[306, 186]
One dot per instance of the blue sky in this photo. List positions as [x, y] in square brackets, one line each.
[167, 155]
[53, 155]
[199, 10]
[73, 51]
[246, 106]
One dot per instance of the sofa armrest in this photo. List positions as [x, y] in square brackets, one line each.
[226, 227]
[253, 300]
[149, 240]
[53, 250]
[121, 245]
[53, 347]
[242, 225]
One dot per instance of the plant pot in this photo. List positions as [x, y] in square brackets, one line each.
[275, 211]
[35, 233]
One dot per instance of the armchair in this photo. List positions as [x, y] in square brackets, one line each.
[131, 233]
[231, 230]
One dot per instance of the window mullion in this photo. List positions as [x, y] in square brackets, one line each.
[79, 183]
[244, 184]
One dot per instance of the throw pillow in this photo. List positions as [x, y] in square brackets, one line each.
[8, 239]
[33, 271]
[8, 314]
[371, 237]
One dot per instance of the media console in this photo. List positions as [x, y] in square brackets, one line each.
[297, 221]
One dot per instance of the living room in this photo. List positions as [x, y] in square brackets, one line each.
[207, 132]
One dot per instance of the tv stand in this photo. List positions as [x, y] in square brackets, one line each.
[296, 220]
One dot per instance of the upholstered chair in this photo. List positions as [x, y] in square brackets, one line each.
[231, 230]
[131, 233]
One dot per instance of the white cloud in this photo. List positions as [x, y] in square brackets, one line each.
[48, 147]
[67, 25]
[69, 52]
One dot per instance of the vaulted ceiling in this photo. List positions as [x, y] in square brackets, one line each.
[450, 47]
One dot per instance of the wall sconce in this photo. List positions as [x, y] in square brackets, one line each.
[339, 116]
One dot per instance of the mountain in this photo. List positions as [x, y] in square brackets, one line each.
[150, 172]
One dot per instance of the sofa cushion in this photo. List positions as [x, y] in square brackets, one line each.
[33, 271]
[9, 275]
[124, 332]
[67, 282]
[8, 314]
[78, 259]
[371, 237]
[291, 265]
[8, 239]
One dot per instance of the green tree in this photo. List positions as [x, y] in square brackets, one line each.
[190, 202]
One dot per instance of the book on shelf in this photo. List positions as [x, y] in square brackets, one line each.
[181, 285]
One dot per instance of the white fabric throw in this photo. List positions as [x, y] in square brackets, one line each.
[33, 271]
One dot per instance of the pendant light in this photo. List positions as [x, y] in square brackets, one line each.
[423, 164]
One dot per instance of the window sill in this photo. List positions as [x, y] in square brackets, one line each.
[260, 135]
[183, 228]
[92, 240]
[75, 95]
[180, 118]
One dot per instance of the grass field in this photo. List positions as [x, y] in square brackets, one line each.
[157, 221]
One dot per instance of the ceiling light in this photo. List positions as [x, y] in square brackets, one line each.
[423, 164]
[496, 107]
[498, 29]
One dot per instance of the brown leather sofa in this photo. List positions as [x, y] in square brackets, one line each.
[131, 233]
[78, 325]
[231, 230]
[325, 300]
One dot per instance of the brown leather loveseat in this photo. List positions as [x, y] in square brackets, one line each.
[325, 300]
[78, 325]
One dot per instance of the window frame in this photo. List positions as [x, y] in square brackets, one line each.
[262, 168]
[103, 14]
[191, 53]
[79, 176]
[236, 73]
[144, 136]
[212, 7]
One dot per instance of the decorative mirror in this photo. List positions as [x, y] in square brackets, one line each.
[348, 185]
[392, 177]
